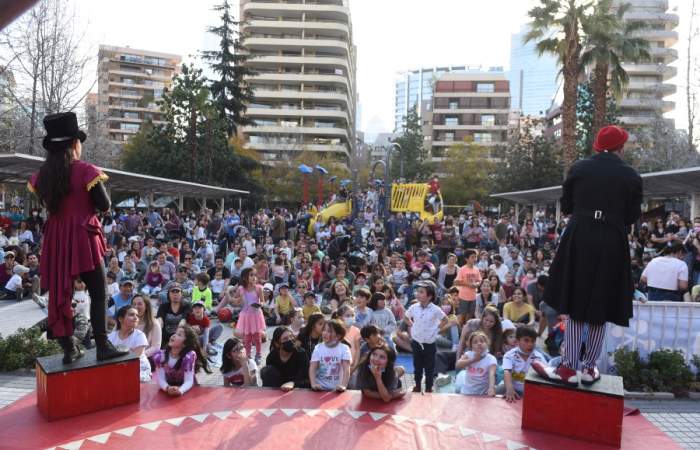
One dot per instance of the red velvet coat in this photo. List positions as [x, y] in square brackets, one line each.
[73, 243]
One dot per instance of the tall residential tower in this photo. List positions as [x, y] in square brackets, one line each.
[305, 93]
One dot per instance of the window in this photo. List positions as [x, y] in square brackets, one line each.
[451, 121]
[449, 137]
[454, 105]
[488, 120]
[485, 87]
[128, 81]
[482, 137]
[129, 127]
[131, 115]
[289, 123]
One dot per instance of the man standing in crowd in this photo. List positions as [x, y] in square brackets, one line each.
[666, 276]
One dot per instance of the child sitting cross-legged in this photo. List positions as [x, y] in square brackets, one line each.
[480, 366]
[517, 362]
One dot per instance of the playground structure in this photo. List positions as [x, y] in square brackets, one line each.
[405, 198]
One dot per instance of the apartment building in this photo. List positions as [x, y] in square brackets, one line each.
[305, 93]
[468, 107]
[130, 83]
[650, 82]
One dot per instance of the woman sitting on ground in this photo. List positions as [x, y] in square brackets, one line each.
[310, 335]
[287, 365]
[236, 367]
[177, 364]
[377, 377]
[126, 334]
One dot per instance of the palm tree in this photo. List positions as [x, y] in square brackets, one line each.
[557, 28]
[609, 42]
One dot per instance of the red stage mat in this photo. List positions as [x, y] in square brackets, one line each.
[264, 418]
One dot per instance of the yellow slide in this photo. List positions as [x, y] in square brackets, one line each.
[412, 197]
[338, 210]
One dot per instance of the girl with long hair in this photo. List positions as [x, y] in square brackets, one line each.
[148, 324]
[73, 243]
[237, 368]
[490, 324]
[177, 364]
[376, 375]
[310, 335]
[127, 334]
[287, 364]
[251, 321]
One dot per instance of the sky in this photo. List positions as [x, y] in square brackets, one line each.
[390, 35]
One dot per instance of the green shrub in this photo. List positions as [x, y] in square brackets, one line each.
[21, 349]
[664, 371]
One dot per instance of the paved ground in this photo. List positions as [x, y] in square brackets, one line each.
[15, 315]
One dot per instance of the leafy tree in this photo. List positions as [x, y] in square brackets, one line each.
[557, 28]
[659, 147]
[609, 41]
[585, 113]
[230, 90]
[531, 161]
[412, 152]
[193, 137]
[467, 173]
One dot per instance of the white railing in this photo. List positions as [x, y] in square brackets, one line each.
[655, 326]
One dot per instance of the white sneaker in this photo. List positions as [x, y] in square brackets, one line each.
[443, 379]
[39, 300]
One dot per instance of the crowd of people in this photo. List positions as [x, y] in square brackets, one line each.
[462, 294]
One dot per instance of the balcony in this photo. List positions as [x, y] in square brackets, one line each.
[470, 111]
[470, 127]
[471, 94]
[636, 120]
[333, 12]
[647, 104]
[338, 28]
[666, 72]
[279, 43]
[451, 143]
[669, 54]
[126, 73]
[669, 37]
[279, 112]
[273, 61]
[651, 16]
[651, 86]
[278, 129]
[280, 147]
[149, 87]
[301, 78]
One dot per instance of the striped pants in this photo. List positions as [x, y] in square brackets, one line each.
[573, 340]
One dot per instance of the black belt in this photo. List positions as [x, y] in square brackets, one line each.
[597, 214]
[662, 291]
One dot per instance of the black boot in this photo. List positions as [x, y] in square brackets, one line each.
[71, 350]
[105, 349]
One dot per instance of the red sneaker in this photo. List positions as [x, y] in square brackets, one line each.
[590, 375]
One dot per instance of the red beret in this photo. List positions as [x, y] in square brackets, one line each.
[611, 138]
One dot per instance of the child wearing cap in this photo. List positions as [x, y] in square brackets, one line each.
[14, 286]
[201, 325]
[310, 306]
[284, 304]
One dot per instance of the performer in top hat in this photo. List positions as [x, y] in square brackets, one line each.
[590, 278]
[73, 243]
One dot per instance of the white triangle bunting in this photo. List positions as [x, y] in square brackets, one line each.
[75, 445]
[355, 414]
[332, 413]
[100, 438]
[223, 415]
[442, 426]
[268, 412]
[128, 431]
[399, 419]
[515, 445]
[245, 413]
[466, 432]
[489, 437]
[289, 412]
[176, 421]
[153, 426]
[200, 417]
[311, 412]
[421, 422]
[377, 416]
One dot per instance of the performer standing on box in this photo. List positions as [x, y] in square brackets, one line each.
[73, 244]
[590, 279]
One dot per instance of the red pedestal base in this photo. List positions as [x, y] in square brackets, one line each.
[589, 413]
[86, 385]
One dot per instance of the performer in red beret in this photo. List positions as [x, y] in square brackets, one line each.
[590, 278]
[73, 245]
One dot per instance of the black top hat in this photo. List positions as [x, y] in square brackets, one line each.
[61, 127]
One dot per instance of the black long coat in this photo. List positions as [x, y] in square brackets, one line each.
[590, 278]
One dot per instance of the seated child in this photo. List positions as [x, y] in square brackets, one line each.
[284, 304]
[201, 291]
[377, 376]
[112, 285]
[154, 279]
[201, 325]
[517, 362]
[363, 314]
[218, 284]
[177, 364]
[479, 365]
[296, 321]
[237, 368]
[330, 362]
[310, 306]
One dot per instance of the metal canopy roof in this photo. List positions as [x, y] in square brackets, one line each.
[16, 168]
[669, 183]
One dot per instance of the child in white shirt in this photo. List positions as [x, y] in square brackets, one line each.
[479, 365]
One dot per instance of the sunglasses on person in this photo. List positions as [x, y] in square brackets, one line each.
[177, 291]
